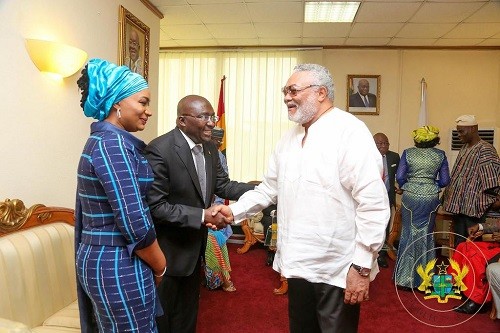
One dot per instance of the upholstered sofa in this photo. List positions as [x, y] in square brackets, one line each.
[37, 269]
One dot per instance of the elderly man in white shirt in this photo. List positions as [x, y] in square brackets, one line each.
[333, 207]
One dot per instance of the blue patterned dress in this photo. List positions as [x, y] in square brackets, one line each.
[422, 172]
[113, 220]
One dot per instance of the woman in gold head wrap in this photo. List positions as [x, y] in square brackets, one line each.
[422, 172]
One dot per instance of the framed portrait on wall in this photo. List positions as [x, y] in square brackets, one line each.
[363, 94]
[133, 43]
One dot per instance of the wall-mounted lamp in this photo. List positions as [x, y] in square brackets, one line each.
[57, 59]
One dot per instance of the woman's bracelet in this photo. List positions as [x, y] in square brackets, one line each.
[163, 273]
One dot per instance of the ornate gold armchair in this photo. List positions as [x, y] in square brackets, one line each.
[37, 269]
[15, 216]
[253, 231]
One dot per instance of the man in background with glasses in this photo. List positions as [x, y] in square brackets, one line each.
[188, 172]
[332, 211]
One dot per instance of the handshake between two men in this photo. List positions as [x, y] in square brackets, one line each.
[218, 217]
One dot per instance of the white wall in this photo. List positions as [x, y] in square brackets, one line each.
[458, 82]
[44, 128]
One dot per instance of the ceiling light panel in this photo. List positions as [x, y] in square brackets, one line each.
[322, 11]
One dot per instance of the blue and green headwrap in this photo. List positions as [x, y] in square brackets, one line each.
[109, 84]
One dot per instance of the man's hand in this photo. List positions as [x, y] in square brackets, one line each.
[215, 220]
[496, 204]
[474, 231]
[224, 210]
[496, 236]
[357, 286]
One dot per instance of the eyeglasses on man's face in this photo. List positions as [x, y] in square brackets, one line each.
[294, 90]
[382, 143]
[204, 117]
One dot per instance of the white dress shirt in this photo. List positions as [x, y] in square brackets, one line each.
[332, 203]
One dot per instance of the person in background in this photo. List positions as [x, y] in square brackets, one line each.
[326, 174]
[477, 255]
[217, 265]
[187, 172]
[363, 98]
[422, 172]
[134, 60]
[390, 161]
[475, 179]
[115, 239]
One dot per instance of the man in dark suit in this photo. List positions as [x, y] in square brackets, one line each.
[363, 98]
[391, 161]
[179, 205]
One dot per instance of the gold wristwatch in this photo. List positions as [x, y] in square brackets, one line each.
[363, 271]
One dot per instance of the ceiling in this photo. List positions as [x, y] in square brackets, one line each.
[378, 23]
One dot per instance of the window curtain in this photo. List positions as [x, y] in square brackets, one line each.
[256, 116]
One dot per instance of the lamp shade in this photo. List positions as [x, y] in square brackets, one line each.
[55, 58]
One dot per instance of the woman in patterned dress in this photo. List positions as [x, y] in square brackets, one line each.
[422, 172]
[217, 265]
[118, 260]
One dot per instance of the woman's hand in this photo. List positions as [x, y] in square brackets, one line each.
[158, 280]
[159, 276]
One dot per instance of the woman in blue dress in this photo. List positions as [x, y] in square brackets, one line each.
[118, 260]
[422, 172]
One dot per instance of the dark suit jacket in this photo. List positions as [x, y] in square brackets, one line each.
[392, 167]
[356, 101]
[176, 201]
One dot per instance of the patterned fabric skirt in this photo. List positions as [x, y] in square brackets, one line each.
[121, 289]
[416, 246]
[217, 266]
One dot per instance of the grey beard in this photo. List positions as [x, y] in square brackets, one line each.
[304, 114]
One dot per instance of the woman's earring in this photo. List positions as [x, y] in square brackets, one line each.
[118, 113]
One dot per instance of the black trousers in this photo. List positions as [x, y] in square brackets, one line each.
[319, 307]
[179, 297]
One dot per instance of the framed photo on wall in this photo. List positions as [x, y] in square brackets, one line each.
[363, 94]
[133, 43]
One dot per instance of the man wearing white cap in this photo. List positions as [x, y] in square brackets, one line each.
[475, 179]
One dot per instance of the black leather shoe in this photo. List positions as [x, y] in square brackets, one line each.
[470, 307]
[382, 261]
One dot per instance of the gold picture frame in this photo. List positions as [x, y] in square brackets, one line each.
[363, 94]
[133, 43]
